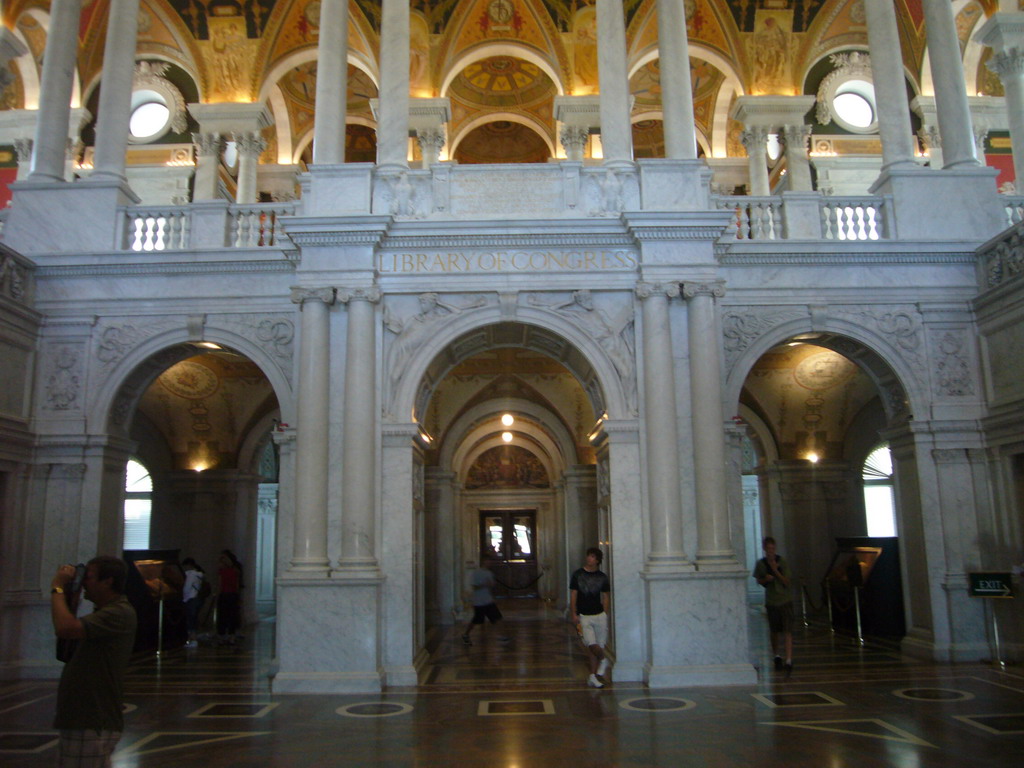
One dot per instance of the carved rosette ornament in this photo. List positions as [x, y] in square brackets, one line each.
[741, 328]
[855, 65]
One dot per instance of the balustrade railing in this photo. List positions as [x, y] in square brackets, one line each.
[169, 228]
[157, 229]
[853, 218]
[754, 218]
[259, 226]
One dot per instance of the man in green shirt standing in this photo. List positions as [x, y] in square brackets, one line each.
[772, 573]
[91, 692]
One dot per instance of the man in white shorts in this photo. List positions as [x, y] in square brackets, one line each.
[589, 597]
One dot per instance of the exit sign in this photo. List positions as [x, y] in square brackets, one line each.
[991, 585]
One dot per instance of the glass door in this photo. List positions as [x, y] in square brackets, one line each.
[508, 548]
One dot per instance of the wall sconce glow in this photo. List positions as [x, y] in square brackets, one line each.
[812, 457]
[506, 436]
[425, 437]
[199, 467]
[507, 420]
[208, 345]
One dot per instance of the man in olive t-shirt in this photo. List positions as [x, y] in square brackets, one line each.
[91, 691]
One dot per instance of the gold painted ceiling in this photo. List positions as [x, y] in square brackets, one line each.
[489, 56]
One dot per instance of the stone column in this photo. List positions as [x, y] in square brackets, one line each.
[310, 545]
[393, 122]
[10, 46]
[890, 85]
[427, 118]
[358, 466]
[754, 139]
[49, 149]
[574, 141]
[676, 83]
[665, 509]
[23, 147]
[798, 163]
[616, 129]
[209, 147]
[331, 84]
[250, 146]
[1004, 32]
[714, 544]
[115, 105]
[958, 147]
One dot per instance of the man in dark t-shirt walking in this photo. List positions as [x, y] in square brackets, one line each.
[589, 595]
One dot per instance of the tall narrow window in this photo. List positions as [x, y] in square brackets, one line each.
[879, 505]
[138, 502]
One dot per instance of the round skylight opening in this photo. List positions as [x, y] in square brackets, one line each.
[854, 105]
[150, 115]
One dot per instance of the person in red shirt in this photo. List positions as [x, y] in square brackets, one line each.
[229, 597]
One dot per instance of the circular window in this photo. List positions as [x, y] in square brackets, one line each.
[148, 119]
[854, 104]
[846, 95]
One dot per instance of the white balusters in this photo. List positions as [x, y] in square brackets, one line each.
[853, 218]
[156, 229]
[259, 226]
[757, 218]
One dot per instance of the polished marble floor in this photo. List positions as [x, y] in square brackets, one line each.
[524, 704]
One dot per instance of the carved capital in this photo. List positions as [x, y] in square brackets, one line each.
[302, 295]
[714, 290]
[647, 290]
[754, 138]
[930, 137]
[574, 138]
[1009, 63]
[23, 147]
[371, 294]
[431, 141]
[796, 137]
[208, 144]
[250, 144]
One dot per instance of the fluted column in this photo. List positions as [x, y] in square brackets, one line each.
[209, 147]
[115, 104]
[676, 82]
[665, 512]
[393, 120]
[714, 543]
[954, 114]
[250, 146]
[331, 84]
[890, 85]
[49, 149]
[616, 129]
[309, 551]
[1004, 32]
[754, 138]
[358, 465]
[798, 164]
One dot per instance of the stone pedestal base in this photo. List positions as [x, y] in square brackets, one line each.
[55, 216]
[674, 185]
[26, 635]
[338, 190]
[957, 204]
[698, 630]
[327, 636]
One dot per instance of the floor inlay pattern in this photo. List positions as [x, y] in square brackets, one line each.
[843, 706]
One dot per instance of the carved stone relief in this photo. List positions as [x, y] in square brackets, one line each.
[614, 334]
[899, 325]
[64, 377]
[742, 327]
[953, 375]
[274, 334]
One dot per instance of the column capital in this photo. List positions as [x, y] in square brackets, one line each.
[209, 143]
[371, 294]
[754, 137]
[714, 289]
[1008, 63]
[796, 135]
[301, 295]
[645, 290]
[250, 143]
[574, 139]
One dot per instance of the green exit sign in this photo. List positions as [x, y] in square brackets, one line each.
[991, 585]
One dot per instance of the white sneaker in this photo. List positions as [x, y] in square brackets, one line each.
[593, 682]
[602, 667]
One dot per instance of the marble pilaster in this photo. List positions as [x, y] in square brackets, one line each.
[309, 558]
[358, 530]
[798, 164]
[954, 116]
[331, 84]
[616, 129]
[890, 85]
[115, 103]
[393, 116]
[664, 504]
[714, 543]
[676, 82]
